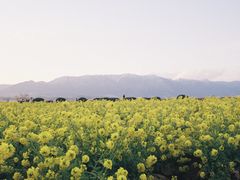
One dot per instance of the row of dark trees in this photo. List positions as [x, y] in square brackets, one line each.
[83, 99]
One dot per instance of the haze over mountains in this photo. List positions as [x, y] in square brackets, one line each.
[91, 86]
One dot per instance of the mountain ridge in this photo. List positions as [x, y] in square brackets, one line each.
[117, 85]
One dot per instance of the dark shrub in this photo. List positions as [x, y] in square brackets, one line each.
[130, 98]
[182, 96]
[38, 100]
[60, 99]
[83, 99]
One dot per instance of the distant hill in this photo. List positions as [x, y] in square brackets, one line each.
[3, 86]
[117, 85]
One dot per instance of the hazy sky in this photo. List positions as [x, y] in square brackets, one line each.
[45, 39]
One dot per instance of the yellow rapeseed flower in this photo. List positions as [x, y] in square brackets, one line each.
[141, 167]
[33, 173]
[85, 159]
[150, 161]
[45, 150]
[107, 164]
[70, 155]
[110, 144]
[198, 153]
[76, 172]
[64, 163]
[143, 177]
[214, 152]
[17, 176]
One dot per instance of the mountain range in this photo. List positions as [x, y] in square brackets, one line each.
[91, 86]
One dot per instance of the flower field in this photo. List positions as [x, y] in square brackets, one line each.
[140, 139]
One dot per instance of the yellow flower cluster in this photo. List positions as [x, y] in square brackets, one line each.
[139, 139]
[107, 164]
[150, 161]
[122, 174]
[141, 167]
[6, 151]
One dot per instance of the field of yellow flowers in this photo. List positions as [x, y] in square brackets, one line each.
[140, 139]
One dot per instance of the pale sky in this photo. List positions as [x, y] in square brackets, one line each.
[45, 39]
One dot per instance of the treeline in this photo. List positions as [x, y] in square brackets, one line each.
[83, 99]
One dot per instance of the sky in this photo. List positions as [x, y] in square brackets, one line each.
[192, 39]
